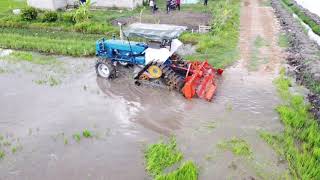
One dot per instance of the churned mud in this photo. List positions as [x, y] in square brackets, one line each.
[123, 117]
[303, 54]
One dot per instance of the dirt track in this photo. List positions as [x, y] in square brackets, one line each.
[125, 117]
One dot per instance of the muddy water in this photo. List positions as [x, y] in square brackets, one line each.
[124, 117]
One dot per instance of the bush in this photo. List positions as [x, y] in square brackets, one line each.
[83, 12]
[29, 14]
[94, 28]
[50, 16]
[68, 17]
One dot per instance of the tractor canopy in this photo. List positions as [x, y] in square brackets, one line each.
[156, 32]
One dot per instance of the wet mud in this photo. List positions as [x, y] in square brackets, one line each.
[124, 118]
[303, 54]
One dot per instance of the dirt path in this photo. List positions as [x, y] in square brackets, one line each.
[124, 117]
[259, 34]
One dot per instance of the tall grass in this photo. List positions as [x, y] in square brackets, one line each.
[219, 47]
[299, 144]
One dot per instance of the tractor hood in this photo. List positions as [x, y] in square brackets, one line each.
[156, 32]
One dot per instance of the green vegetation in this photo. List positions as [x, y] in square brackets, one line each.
[32, 58]
[50, 16]
[77, 137]
[188, 171]
[65, 43]
[237, 146]
[255, 59]
[2, 154]
[306, 19]
[67, 33]
[65, 141]
[210, 125]
[260, 42]
[162, 155]
[48, 80]
[8, 5]
[299, 144]
[283, 40]
[87, 134]
[29, 14]
[219, 47]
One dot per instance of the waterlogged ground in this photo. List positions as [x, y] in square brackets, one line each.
[44, 106]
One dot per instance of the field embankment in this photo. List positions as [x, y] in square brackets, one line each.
[303, 55]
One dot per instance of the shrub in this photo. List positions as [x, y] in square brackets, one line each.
[94, 28]
[50, 16]
[83, 12]
[29, 14]
[68, 17]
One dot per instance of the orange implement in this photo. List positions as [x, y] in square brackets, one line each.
[202, 81]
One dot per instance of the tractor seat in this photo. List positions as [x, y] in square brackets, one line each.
[160, 55]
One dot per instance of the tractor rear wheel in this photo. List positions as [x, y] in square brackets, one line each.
[105, 69]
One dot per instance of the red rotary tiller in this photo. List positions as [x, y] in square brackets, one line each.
[200, 80]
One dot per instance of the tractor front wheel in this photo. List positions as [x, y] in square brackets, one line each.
[105, 69]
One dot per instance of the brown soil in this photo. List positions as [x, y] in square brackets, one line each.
[259, 22]
[190, 19]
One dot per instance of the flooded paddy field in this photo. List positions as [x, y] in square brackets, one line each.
[45, 108]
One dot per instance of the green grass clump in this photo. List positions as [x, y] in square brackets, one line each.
[306, 19]
[86, 133]
[237, 146]
[299, 144]
[283, 41]
[188, 171]
[2, 154]
[77, 137]
[260, 42]
[161, 155]
[32, 58]
[219, 47]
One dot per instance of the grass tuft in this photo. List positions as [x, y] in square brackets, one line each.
[162, 155]
[77, 137]
[283, 40]
[237, 146]
[32, 58]
[2, 154]
[87, 134]
[188, 171]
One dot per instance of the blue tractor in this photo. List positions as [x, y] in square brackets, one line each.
[157, 64]
[154, 62]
